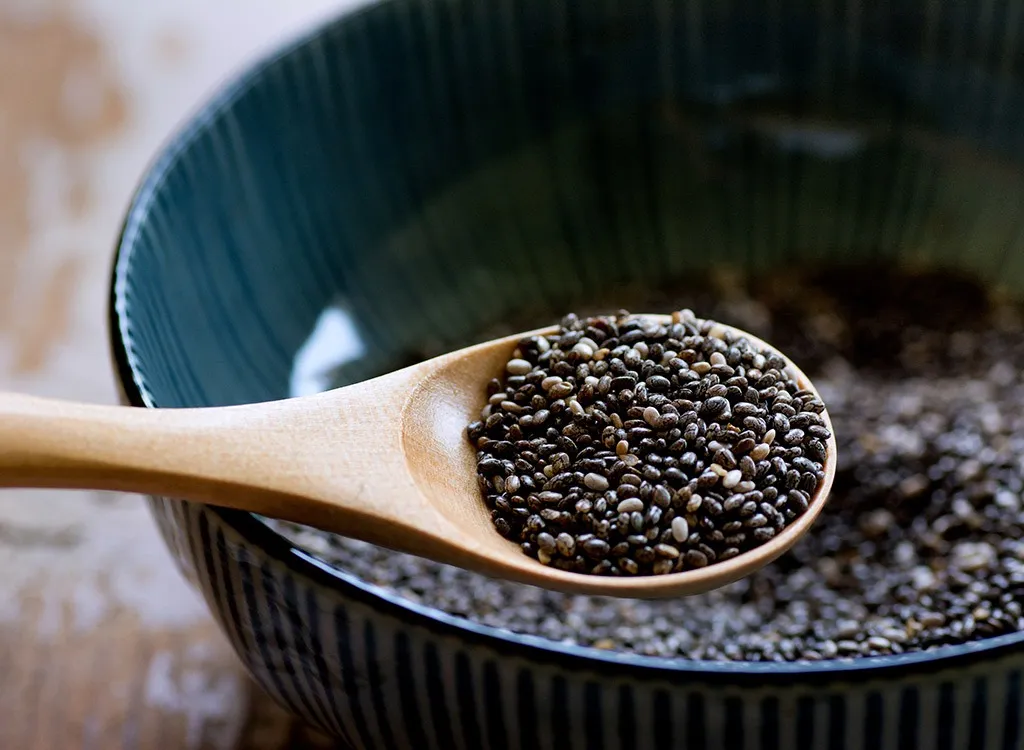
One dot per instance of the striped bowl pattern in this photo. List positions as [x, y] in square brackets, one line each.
[433, 167]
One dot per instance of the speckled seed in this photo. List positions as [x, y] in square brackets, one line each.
[696, 559]
[561, 390]
[666, 551]
[629, 567]
[566, 544]
[546, 542]
[662, 567]
[661, 496]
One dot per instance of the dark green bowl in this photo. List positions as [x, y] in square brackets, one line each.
[434, 169]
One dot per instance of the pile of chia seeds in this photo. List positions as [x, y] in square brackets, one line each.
[621, 445]
[922, 541]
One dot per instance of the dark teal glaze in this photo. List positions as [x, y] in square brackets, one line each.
[435, 167]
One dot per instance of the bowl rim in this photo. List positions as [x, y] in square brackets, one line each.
[306, 565]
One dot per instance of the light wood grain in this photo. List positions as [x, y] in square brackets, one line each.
[385, 461]
[123, 684]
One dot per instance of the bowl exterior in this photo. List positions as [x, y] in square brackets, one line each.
[377, 675]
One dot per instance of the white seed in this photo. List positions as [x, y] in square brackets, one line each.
[680, 529]
[584, 351]
[769, 437]
[719, 470]
[630, 505]
[577, 408]
[518, 367]
[717, 331]
[652, 416]
[760, 451]
[717, 358]
[595, 482]
[550, 382]
[732, 478]
[622, 448]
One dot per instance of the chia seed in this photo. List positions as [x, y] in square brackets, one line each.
[920, 545]
[580, 449]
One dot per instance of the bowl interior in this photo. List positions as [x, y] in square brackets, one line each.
[431, 170]
[417, 176]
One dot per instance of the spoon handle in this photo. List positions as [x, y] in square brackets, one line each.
[328, 460]
[190, 453]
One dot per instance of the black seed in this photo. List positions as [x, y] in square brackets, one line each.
[658, 384]
[696, 559]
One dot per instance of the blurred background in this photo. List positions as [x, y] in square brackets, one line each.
[102, 645]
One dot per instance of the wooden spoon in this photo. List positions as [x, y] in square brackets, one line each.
[385, 460]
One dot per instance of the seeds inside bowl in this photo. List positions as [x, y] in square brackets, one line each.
[621, 445]
[920, 544]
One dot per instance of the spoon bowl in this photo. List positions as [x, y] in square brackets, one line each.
[385, 460]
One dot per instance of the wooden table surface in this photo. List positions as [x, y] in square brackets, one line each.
[102, 644]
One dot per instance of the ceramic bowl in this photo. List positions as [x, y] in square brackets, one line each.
[431, 168]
